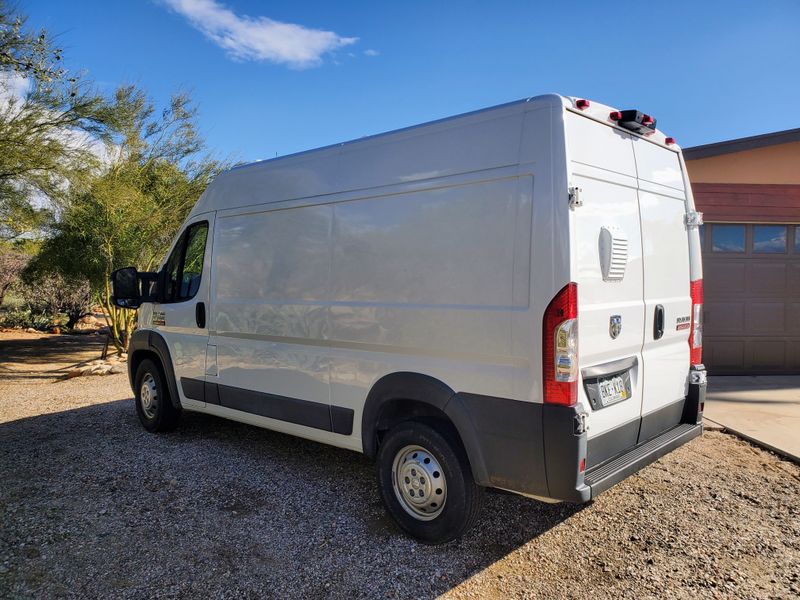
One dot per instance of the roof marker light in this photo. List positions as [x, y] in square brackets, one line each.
[582, 104]
[615, 115]
[669, 141]
[647, 120]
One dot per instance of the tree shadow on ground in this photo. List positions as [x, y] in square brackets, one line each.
[223, 508]
[31, 357]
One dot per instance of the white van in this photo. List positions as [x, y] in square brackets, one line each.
[508, 298]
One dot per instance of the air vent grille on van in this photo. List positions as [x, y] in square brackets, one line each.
[613, 253]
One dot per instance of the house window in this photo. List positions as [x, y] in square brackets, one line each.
[769, 239]
[727, 238]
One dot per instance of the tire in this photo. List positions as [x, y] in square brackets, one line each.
[433, 497]
[153, 402]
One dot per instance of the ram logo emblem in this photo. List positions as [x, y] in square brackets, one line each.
[614, 326]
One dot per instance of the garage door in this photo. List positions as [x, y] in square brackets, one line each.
[752, 298]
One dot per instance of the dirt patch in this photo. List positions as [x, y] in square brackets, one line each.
[33, 358]
[93, 506]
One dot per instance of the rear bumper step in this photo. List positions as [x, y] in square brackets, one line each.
[602, 477]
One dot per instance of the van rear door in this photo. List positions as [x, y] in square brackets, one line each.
[607, 266]
[667, 299]
[631, 263]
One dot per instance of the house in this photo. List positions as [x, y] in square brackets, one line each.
[749, 192]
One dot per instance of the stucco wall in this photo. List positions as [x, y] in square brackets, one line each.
[770, 165]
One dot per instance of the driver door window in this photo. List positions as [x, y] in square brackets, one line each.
[184, 268]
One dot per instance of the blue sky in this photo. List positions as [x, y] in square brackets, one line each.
[279, 77]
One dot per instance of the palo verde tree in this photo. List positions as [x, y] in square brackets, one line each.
[51, 124]
[128, 215]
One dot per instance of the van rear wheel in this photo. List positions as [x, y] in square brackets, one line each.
[426, 482]
[153, 402]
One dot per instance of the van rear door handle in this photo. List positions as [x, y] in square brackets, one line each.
[658, 323]
[200, 315]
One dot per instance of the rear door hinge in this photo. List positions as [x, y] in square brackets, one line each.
[581, 423]
[575, 199]
[693, 219]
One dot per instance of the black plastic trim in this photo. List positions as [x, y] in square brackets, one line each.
[401, 385]
[695, 400]
[503, 439]
[657, 422]
[317, 415]
[211, 392]
[195, 389]
[564, 448]
[624, 437]
[150, 341]
[612, 443]
[625, 465]
[342, 420]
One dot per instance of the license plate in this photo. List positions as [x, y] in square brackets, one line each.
[612, 390]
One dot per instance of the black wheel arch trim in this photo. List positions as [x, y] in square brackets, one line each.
[399, 386]
[433, 392]
[147, 340]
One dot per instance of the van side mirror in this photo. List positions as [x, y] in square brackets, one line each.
[129, 287]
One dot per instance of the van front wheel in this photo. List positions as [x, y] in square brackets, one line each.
[153, 403]
[426, 482]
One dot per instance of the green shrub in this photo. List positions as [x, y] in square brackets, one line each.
[24, 318]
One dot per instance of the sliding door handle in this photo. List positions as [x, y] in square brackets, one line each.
[200, 315]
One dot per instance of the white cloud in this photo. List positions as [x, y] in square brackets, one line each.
[371, 52]
[12, 86]
[259, 38]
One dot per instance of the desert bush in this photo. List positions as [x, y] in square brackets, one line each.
[50, 295]
[23, 318]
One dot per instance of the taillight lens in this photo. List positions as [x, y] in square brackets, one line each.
[696, 335]
[560, 347]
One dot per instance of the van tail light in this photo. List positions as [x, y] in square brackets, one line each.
[696, 335]
[560, 348]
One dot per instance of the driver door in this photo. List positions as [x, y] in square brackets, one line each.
[182, 315]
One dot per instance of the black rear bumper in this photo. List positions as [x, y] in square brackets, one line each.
[623, 451]
[600, 478]
[543, 450]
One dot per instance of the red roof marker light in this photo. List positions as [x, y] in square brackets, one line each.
[669, 141]
[582, 104]
[615, 115]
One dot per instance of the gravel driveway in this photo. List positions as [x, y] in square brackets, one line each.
[93, 506]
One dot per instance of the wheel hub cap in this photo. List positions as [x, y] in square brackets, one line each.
[419, 483]
[148, 395]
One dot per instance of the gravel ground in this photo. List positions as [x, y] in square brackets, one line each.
[93, 506]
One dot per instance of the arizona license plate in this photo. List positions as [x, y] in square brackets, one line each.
[612, 390]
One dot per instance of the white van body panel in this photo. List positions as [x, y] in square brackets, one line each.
[435, 250]
[322, 313]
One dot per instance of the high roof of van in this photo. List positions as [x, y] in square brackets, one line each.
[476, 140]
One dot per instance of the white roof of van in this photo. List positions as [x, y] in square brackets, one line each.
[482, 139]
[329, 170]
